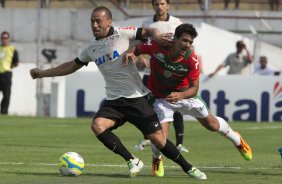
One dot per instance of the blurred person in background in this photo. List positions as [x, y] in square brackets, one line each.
[165, 23]
[9, 59]
[236, 61]
[204, 4]
[263, 69]
[127, 99]
[226, 3]
[274, 4]
[3, 3]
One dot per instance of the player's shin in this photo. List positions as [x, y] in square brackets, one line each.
[171, 152]
[226, 130]
[156, 152]
[112, 142]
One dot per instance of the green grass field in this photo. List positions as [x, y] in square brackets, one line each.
[30, 148]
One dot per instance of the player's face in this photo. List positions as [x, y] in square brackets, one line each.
[183, 44]
[100, 24]
[161, 7]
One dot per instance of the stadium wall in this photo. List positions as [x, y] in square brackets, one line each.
[240, 98]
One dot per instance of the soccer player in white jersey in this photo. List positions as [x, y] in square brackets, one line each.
[174, 82]
[165, 23]
[127, 97]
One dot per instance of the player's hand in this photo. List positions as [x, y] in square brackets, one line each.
[129, 56]
[165, 39]
[36, 73]
[144, 61]
[174, 97]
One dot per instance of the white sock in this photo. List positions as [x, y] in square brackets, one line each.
[156, 151]
[226, 130]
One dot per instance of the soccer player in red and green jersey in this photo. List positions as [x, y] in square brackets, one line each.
[174, 82]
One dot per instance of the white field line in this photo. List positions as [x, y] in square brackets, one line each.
[116, 165]
[263, 127]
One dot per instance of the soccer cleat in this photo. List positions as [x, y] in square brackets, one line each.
[244, 149]
[158, 167]
[135, 165]
[140, 146]
[196, 173]
[182, 148]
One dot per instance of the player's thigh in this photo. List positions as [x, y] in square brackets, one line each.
[194, 107]
[107, 117]
[141, 114]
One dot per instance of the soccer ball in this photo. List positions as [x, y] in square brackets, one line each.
[71, 164]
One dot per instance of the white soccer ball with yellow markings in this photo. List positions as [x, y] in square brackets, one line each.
[71, 164]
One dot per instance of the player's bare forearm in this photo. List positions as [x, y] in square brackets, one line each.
[189, 93]
[176, 96]
[61, 70]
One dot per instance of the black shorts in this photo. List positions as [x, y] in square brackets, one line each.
[137, 111]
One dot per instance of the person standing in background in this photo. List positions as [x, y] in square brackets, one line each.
[274, 5]
[263, 69]
[3, 3]
[165, 23]
[9, 59]
[226, 3]
[236, 61]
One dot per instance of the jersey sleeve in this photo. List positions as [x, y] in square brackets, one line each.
[194, 67]
[83, 55]
[131, 32]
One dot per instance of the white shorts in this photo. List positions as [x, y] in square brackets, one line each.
[194, 107]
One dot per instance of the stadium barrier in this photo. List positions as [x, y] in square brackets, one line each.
[235, 98]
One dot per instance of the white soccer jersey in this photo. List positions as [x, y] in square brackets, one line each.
[167, 26]
[121, 80]
[163, 26]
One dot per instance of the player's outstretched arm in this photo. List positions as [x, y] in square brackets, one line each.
[60, 70]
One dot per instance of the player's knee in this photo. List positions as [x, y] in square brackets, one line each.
[97, 127]
[158, 139]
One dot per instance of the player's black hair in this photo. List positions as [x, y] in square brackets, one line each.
[104, 9]
[153, 1]
[185, 28]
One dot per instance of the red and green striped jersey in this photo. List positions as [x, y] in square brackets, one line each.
[167, 76]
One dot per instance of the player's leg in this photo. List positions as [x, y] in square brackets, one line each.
[178, 125]
[106, 119]
[170, 151]
[212, 123]
[157, 160]
[146, 120]
[144, 141]
[165, 114]
[221, 126]
[197, 108]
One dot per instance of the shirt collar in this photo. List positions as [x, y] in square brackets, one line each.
[155, 18]
[111, 32]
